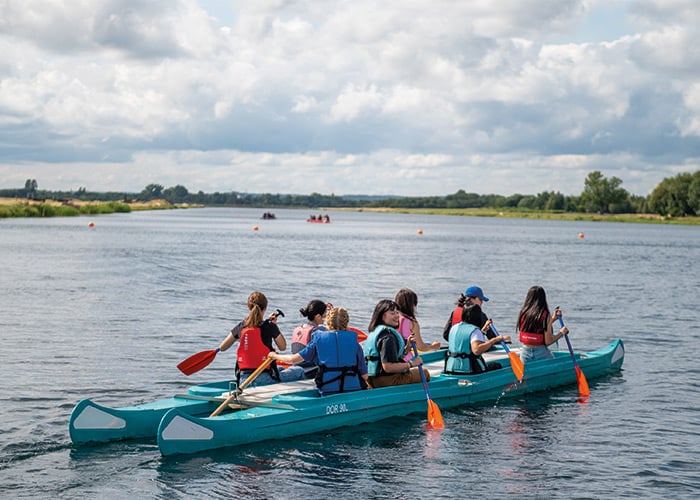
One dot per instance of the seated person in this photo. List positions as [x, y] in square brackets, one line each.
[385, 347]
[340, 360]
[467, 343]
[472, 295]
[315, 314]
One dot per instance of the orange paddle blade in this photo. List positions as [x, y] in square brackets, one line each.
[361, 336]
[197, 361]
[583, 389]
[434, 416]
[517, 365]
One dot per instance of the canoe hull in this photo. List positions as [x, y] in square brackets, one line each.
[93, 423]
[304, 412]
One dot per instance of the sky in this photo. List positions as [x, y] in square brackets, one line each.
[412, 98]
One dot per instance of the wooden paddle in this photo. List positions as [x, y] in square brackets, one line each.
[583, 389]
[434, 416]
[197, 361]
[516, 364]
[245, 384]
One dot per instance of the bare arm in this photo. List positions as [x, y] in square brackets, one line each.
[480, 348]
[549, 337]
[281, 342]
[227, 342]
[290, 359]
[420, 345]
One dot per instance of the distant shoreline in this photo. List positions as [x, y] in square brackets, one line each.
[16, 207]
[22, 208]
[518, 214]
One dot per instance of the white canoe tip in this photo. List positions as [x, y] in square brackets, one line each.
[92, 417]
[180, 428]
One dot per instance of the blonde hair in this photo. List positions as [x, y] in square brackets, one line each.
[257, 303]
[338, 319]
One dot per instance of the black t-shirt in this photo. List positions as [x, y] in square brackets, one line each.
[388, 347]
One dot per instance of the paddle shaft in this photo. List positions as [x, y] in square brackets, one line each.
[245, 384]
[516, 363]
[568, 342]
[420, 368]
[503, 343]
[434, 415]
[583, 389]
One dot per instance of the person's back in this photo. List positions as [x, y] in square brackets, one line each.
[337, 359]
[467, 343]
[460, 359]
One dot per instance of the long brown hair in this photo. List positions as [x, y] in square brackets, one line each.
[535, 311]
[257, 303]
[407, 300]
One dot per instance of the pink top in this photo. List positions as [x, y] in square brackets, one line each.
[405, 331]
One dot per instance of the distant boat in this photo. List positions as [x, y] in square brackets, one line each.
[268, 215]
[323, 219]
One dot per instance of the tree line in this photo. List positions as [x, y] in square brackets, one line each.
[675, 196]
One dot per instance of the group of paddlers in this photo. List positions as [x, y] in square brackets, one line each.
[326, 348]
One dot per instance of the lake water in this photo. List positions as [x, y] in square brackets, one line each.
[107, 313]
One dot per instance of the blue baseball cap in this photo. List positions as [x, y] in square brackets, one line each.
[476, 292]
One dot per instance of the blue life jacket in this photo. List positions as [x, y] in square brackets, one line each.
[372, 352]
[337, 361]
[460, 358]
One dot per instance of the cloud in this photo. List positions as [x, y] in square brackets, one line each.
[414, 98]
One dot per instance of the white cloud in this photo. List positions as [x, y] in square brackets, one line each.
[407, 98]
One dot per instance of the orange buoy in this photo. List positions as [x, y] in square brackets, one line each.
[581, 235]
[420, 231]
[255, 228]
[91, 224]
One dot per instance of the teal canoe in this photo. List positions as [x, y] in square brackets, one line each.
[91, 422]
[303, 411]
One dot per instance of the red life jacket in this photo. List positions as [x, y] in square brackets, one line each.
[457, 315]
[536, 337]
[301, 336]
[251, 350]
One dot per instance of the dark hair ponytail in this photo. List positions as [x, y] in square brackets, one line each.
[312, 309]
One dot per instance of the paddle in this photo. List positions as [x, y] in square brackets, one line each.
[361, 336]
[516, 363]
[434, 416]
[239, 390]
[583, 389]
[197, 361]
[202, 359]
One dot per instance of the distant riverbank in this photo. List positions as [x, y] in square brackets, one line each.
[518, 214]
[17, 207]
[14, 207]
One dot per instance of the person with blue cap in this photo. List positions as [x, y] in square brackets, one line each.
[472, 295]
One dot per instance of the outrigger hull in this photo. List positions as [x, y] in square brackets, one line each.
[304, 412]
[91, 422]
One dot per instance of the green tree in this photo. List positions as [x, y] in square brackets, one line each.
[599, 193]
[694, 193]
[30, 187]
[676, 196]
[152, 191]
[177, 194]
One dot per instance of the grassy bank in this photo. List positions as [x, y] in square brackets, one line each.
[521, 214]
[10, 207]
